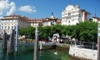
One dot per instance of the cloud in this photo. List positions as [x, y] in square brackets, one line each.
[4, 5]
[12, 9]
[27, 8]
[7, 7]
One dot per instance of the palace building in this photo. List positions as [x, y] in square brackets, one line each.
[45, 21]
[9, 22]
[73, 15]
[96, 19]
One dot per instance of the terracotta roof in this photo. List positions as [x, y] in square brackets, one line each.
[44, 20]
[9, 19]
[84, 11]
[49, 19]
[17, 17]
[97, 18]
[36, 20]
[26, 19]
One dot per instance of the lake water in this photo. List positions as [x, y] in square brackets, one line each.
[26, 53]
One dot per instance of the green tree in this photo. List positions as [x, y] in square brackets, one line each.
[87, 31]
[82, 31]
[44, 32]
[56, 29]
[30, 32]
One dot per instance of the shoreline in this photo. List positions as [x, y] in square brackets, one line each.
[65, 48]
[60, 47]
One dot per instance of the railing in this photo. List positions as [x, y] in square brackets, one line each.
[87, 45]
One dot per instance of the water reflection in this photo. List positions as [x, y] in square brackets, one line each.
[26, 53]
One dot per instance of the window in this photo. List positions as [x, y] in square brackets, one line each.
[69, 22]
[79, 15]
[69, 14]
[8, 27]
[12, 27]
[5, 27]
[10, 20]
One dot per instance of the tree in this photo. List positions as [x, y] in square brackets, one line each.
[87, 31]
[82, 31]
[30, 32]
[44, 32]
[56, 29]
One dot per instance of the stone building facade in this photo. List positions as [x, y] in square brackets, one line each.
[9, 22]
[73, 15]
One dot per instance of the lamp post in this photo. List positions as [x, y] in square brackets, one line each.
[98, 47]
[36, 44]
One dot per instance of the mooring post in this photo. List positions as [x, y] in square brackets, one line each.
[36, 44]
[98, 42]
[98, 47]
[16, 40]
[13, 40]
[40, 43]
[11, 43]
[4, 45]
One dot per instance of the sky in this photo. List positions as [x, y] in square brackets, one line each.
[44, 8]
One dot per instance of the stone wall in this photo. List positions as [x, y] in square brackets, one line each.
[88, 54]
[62, 47]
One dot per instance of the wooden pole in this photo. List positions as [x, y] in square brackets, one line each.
[98, 42]
[10, 48]
[36, 45]
[98, 56]
[16, 41]
[4, 45]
